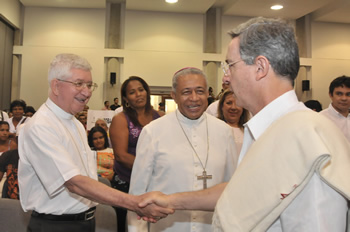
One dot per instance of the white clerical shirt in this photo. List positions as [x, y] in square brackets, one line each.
[317, 195]
[213, 108]
[342, 122]
[53, 148]
[166, 162]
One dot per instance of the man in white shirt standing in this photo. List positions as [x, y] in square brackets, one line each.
[338, 109]
[294, 164]
[185, 150]
[57, 170]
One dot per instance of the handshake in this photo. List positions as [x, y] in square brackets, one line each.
[153, 206]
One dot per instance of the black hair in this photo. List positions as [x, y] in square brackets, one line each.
[91, 133]
[30, 109]
[18, 102]
[314, 105]
[342, 81]
[129, 110]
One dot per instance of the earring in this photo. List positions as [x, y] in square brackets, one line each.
[127, 104]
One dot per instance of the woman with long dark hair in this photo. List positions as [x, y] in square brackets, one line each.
[124, 133]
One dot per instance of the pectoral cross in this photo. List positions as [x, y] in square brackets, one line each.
[204, 177]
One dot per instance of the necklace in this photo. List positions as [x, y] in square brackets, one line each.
[74, 142]
[204, 175]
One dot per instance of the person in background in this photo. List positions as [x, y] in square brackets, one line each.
[17, 108]
[82, 118]
[106, 106]
[3, 116]
[233, 115]
[338, 109]
[6, 143]
[115, 105]
[213, 108]
[9, 169]
[29, 111]
[85, 110]
[98, 141]
[124, 132]
[161, 107]
[102, 123]
[314, 105]
[211, 97]
[57, 170]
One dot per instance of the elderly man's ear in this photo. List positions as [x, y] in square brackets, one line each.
[262, 67]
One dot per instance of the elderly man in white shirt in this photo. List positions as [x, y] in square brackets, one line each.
[57, 170]
[338, 109]
[294, 164]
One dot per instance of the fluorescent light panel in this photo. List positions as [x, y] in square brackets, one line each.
[276, 7]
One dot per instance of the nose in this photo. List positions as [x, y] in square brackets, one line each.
[226, 79]
[86, 91]
[194, 96]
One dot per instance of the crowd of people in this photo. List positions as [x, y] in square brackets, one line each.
[196, 160]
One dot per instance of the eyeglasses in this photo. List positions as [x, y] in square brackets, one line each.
[226, 67]
[79, 85]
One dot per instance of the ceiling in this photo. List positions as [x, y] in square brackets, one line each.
[319, 10]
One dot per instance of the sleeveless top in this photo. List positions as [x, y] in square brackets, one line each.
[8, 147]
[123, 172]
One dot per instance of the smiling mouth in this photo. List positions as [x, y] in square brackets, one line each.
[194, 107]
[81, 100]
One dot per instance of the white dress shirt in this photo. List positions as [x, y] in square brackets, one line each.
[53, 148]
[342, 122]
[323, 202]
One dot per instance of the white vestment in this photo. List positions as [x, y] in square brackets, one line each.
[293, 177]
[53, 148]
[166, 162]
[213, 108]
[342, 122]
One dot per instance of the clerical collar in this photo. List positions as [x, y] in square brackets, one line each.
[57, 110]
[183, 119]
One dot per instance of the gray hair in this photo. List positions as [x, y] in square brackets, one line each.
[272, 38]
[187, 71]
[62, 65]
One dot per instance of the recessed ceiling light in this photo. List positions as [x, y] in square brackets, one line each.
[276, 7]
[171, 1]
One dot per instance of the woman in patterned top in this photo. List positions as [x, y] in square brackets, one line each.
[124, 133]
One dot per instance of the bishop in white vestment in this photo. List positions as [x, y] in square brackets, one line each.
[174, 151]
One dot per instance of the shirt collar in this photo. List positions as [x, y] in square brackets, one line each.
[275, 109]
[57, 110]
[336, 112]
[184, 120]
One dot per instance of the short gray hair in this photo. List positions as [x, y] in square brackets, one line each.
[186, 71]
[272, 38]
[62, 64]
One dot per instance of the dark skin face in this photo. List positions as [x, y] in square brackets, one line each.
[341, 100]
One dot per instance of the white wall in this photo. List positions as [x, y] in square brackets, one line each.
[49, 31]
[155, 46]
[159, 44]
[10, 10]
[330, 57]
